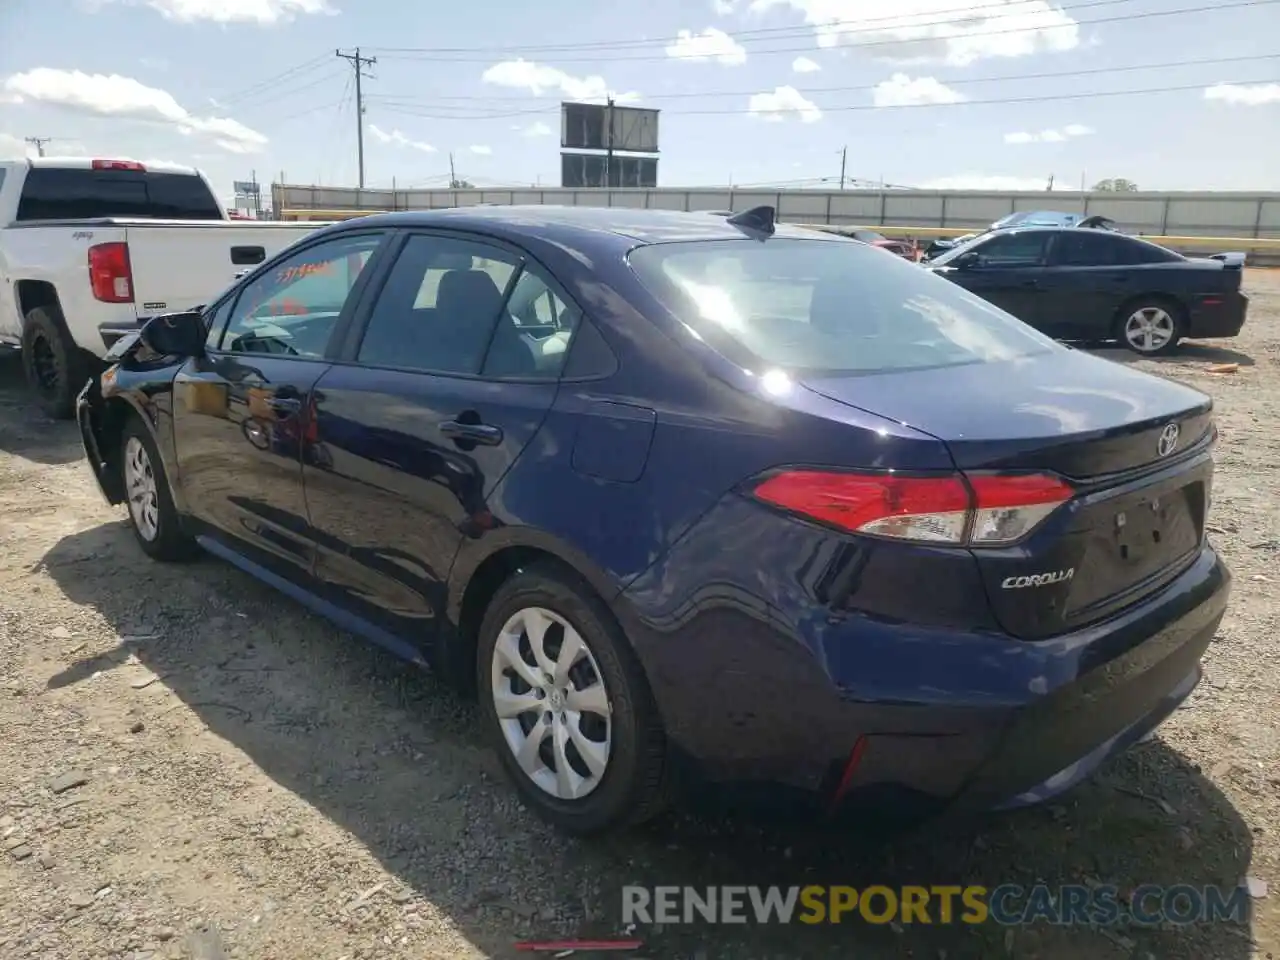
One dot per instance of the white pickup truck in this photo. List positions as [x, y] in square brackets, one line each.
[90, 249]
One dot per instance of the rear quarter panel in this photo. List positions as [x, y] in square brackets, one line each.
[58, 254]
[177, 265]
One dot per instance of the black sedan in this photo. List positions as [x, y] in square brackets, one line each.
[1078, 284]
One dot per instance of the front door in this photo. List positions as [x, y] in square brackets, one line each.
[1008, 272]
[242, 413]
[454, 372]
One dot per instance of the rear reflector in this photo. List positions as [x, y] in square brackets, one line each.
[979, 510]
[110, 273]
[119, 165]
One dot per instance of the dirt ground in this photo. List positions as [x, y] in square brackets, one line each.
[193, 766]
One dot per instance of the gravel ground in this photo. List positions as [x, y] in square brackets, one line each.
[193, 766]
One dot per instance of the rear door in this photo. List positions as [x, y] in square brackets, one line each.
[1008, 273]
[243, 413]
[1090, 274]
[450, 372]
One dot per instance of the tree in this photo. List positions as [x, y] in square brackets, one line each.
[1116, 185]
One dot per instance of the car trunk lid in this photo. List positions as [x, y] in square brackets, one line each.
[1135, 447]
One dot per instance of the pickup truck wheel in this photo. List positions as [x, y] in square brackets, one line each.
[152, 515]
[55, 367]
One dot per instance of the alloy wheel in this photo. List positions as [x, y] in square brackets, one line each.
[551, 703]
[1148, 329]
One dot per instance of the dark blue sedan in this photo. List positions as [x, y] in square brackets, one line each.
[688, 496]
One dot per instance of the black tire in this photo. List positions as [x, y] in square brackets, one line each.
[1169, 307]
[55, 368]
[168, 542]
[635, 785]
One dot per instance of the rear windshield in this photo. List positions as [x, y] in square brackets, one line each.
[52, 194]
[827, 306]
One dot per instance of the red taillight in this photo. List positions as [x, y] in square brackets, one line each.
[981, 510]
[119, 165]
[110, 274]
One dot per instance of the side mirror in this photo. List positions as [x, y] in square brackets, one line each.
[967, 261]
[176, 334]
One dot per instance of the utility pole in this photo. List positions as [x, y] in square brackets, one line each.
[38, 143]
[359, 63]
[453, 176]
[608, 143]
[844, 155]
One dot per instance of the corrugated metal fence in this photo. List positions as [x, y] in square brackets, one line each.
[1243, 215]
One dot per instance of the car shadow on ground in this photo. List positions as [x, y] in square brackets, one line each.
[24, 430]
[391, 757]
[1189, 353]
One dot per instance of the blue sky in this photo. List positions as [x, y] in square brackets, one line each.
[751, 91]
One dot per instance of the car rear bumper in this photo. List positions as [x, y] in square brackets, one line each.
[1223, 318]
[855, 712]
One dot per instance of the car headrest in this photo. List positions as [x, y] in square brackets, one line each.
[468, 296]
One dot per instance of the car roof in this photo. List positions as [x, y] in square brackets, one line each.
[584, 223]
[1043, 228]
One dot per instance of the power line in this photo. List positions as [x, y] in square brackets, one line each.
[895, 21]
[859, 107]
[38, 143]
[359, 63]
[307, 66]
[412, 53]
[392, 98]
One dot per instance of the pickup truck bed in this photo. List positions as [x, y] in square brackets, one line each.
[90, 249]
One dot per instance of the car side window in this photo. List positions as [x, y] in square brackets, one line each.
[1085, 248]
[215, 321]
[440, 304]
[291, 308]
[534, 332]
[1014, 249]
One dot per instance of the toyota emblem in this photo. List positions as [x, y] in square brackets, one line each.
[1168, 440]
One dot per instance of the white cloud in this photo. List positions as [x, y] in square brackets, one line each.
[1244, 94]
[901, 90]
[14, 148]
[783, 102]
[482, 151]
[939, 30]
[124, 98]
[711, 44]
[539, 78]
[1049, 136]
[399, 139]
[804, 65]
[535, 129]
[978, 181]
[723, 7]
[263, 12]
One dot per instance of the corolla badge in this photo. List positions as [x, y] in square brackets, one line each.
[1168, 441]
[1037, 579]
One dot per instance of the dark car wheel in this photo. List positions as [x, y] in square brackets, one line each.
[152, 515]
[55, 367]
[1150, 327]
[568, 707]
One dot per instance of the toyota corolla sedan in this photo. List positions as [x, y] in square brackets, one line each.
[679, 496]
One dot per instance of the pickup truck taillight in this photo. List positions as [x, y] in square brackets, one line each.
[110, 275]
